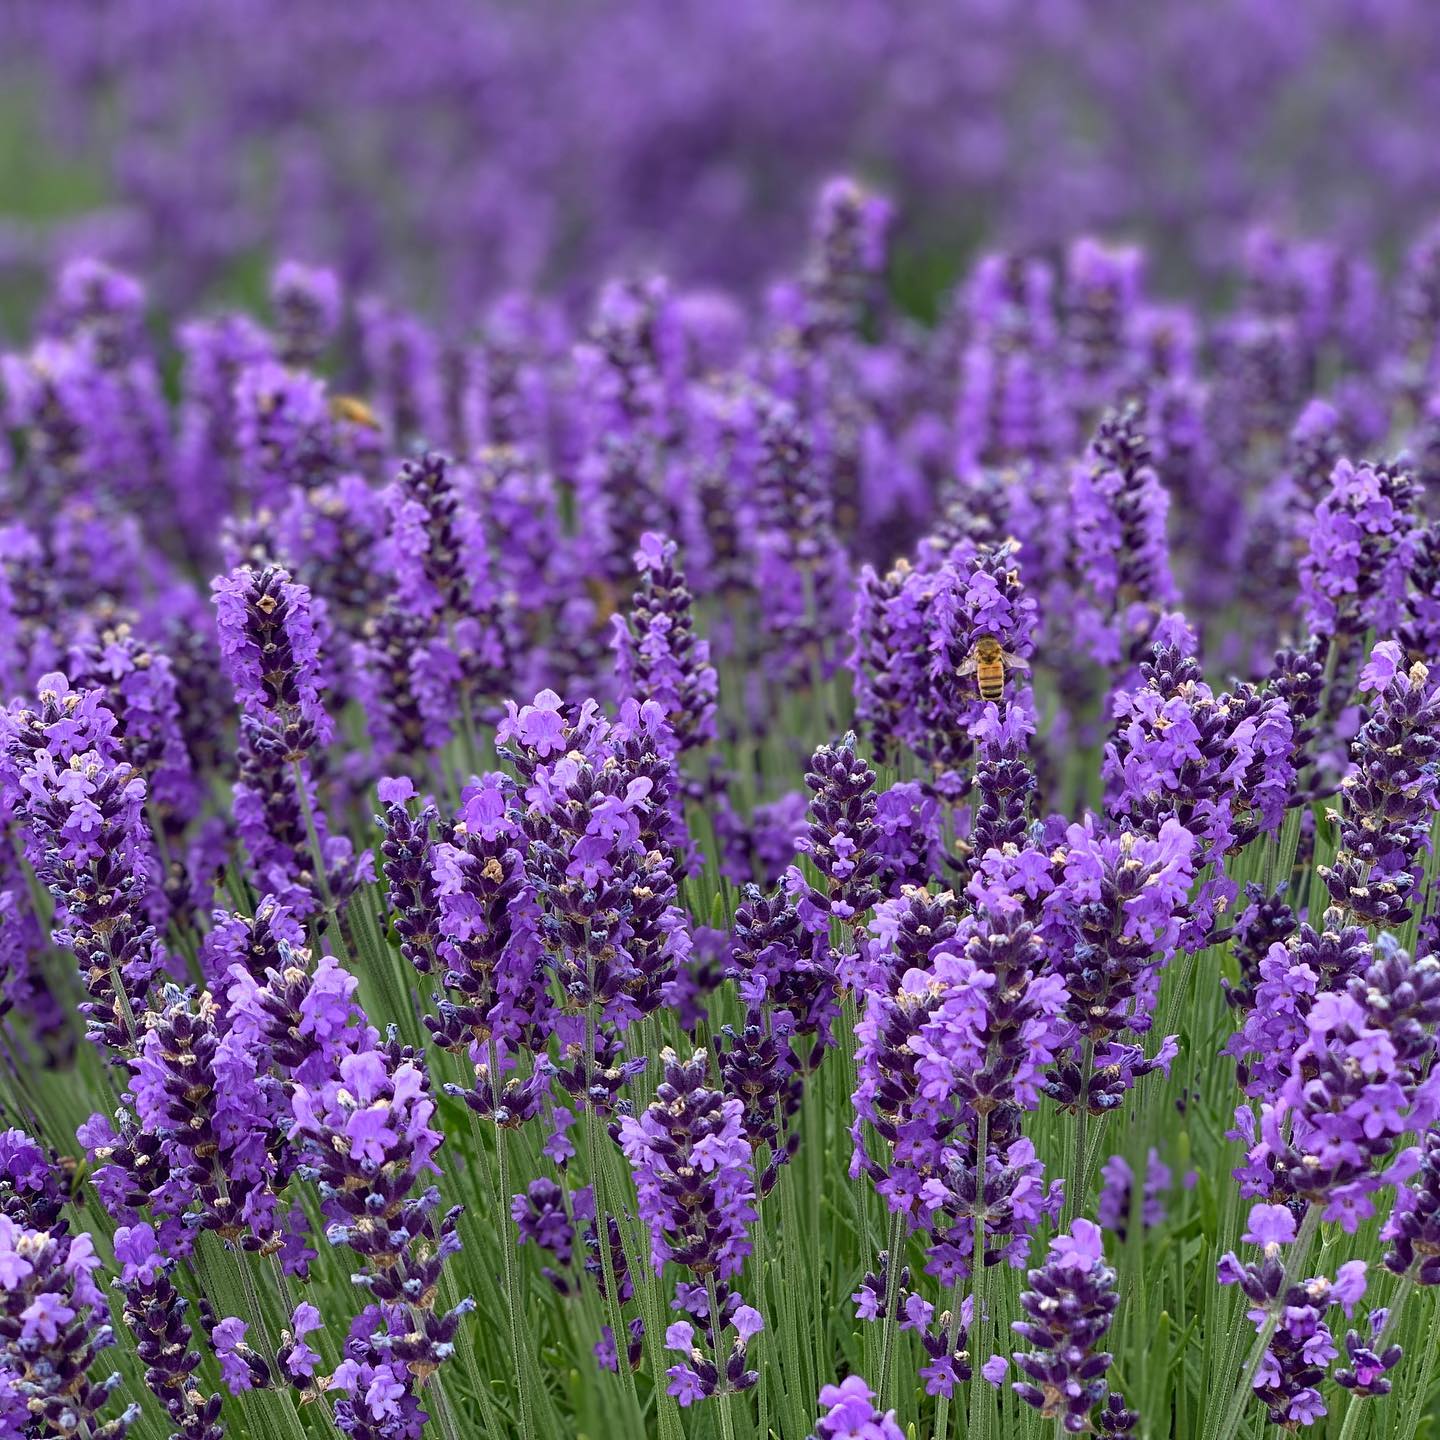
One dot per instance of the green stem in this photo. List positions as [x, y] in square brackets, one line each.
[892, 1304]
[466, 1343]
[762, 1305]
[1353, 1413]
[797, 1373]
[952, 1336]
[443, 1413]
[1075, 1190]
[980, 1272]
[317, 855]
[727, 1422]
[812, 647]
[252, 1300]
[312, 834]
[1419, 1390]
[507, 1253]
[602, 1224]
[644, 1280]
[1280, 860]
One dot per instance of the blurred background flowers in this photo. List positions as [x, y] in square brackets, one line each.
[449, 150]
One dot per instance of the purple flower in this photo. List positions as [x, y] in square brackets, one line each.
[781, 961]
[1413, 1226]
[198, 1089]
[407, 853]
[142, 692]
[1269, 1225]
[1082, 1249]
[154, 1312]
[378, 1118]
[1102, 290]
[757, 1067]
[297, 1358]
[303, 1013]
[543, 1219]
[271, 652]
[395, 790]
[658, 655]
[401, 364]
[368, 1138]
[1366, 1372]
[1292, 1314]
[597, 833]
[1389, 798]
[1118, 911]
[1068, 1310]
[228, 1338]
[707, 1370]
[800, 567]
[915, 1121]
[1117, 1191]
[306, 302]
[270, 645]
[1357, 1084]
[848, 253]
[86, 835]
[995, 1370]
[1118, 510]
[103, 304]
[1004, 780]
[693, 1172]
[842, 835]
[916, 634]
[850, 1414]
[284, 433]
[384, 662]
[540, 726]
[1361, 545]
[1219, 764]
[1291, 975]
[32, 1187]
[55, 1323]
[1007, 409]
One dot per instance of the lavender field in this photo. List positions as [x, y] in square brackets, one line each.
[716, 722]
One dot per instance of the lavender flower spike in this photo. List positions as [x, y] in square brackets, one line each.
[1389, 800]
[841, 840]
[1413, 1228]
[1068, 1308]
[271, 652]
[658, 655]
[694, 1178]
[692, 1171]
[83, 808]
[155, 1314]
[1290, 1316]
[1118, 512]
[53, 1326]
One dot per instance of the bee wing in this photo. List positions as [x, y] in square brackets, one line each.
[969, 665]
[1015, 660]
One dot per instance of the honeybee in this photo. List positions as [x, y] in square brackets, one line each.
[603, 593]
[355, 410]
[987, 662]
